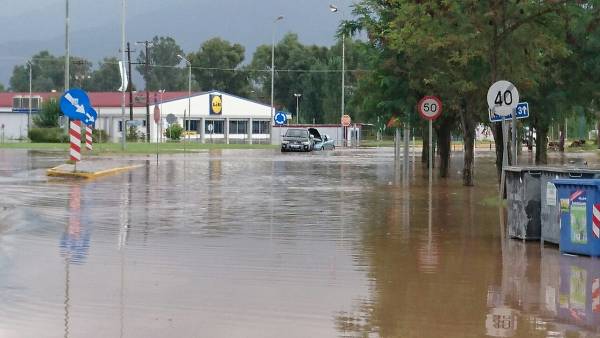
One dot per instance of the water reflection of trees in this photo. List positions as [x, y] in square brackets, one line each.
[425, 283]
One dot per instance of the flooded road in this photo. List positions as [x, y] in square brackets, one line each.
[256, 243]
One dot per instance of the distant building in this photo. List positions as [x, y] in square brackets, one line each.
[215, 116]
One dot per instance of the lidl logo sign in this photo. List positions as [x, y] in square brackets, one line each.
[216, 104]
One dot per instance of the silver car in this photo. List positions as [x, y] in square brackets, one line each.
[321, 142]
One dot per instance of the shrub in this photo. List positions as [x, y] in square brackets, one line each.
[48, 135]
[99, 136]
[48, 116]
[133, 135]
[174, 131]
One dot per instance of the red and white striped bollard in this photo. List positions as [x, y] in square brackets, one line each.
[75, 138]
[88, 137]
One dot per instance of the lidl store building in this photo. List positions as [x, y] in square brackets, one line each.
[209, 116]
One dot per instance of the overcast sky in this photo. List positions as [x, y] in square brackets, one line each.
[29, 26]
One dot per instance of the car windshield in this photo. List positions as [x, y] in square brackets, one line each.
[296, 133]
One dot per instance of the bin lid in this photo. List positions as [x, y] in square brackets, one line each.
[577, 181]
[521, 168]
[555, 170]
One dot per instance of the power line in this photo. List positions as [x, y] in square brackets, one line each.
[358, 70]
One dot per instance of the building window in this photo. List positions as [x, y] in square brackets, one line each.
[22, 103]
[217, 127]
[17, 102]
[238, 127]
[192, 125]
[120, 126]
[260, 127]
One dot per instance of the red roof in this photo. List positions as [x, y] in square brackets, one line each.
[98, 99]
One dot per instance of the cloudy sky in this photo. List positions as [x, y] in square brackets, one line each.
[29, 26]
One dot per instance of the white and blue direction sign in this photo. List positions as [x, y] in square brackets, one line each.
[280, 118]
[76, 105]
[522, 113]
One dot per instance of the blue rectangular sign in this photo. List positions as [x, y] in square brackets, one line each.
[522, 113]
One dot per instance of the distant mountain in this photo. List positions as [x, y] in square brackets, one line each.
[96, 31]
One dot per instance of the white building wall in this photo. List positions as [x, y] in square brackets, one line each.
[15, 124]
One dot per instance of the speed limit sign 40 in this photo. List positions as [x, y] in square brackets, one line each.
[502, 98]
[430, 107]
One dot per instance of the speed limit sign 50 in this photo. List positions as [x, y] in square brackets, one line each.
[430, 107]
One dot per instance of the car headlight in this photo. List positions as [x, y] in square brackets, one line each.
[306, 143]
[285, 142]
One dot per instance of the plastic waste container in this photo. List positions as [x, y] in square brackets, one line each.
[550, 210]
[578, 302]
[579, 202]
[523, 202]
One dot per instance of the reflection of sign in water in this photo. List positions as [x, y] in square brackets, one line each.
[577, 283]
[501, 322]
[596, 295]
[75, 241]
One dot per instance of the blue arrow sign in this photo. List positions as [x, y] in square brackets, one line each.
[522, 113]
[76, 105]
[280, 118]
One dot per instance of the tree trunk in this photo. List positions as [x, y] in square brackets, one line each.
[541, 146]
[444, 138]
[425, 148]
[498, 140]
[425, 152]
[468, 127]
[561, 141]
[598, 134]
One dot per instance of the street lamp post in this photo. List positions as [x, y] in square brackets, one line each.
[29, 115]
[297, 107]
[334, 9]
[189, 110]
[123, 87]
[161, 92]
[273, 75]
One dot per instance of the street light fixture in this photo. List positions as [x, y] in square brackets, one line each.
[334, 9]
[297, 109]
[273, 73]
[189, 94]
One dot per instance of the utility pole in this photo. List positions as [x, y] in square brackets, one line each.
[67, 47]
[146, 71]
[130, 87]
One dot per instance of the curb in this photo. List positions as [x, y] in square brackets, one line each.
[54, 172]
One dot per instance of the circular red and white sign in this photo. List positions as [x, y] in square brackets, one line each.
[156, 114]
[430, 107]
[346, 120]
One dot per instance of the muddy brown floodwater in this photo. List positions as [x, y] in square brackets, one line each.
[262, 244]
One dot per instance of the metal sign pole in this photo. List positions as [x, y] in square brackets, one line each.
[430, 152]
[514, 137]
[504, 158]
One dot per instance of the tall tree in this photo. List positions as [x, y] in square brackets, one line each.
[106, 77]
[48, 73]
[216, 65]
[164, 70]
[2, 87]
[313, 71]
[457, 49]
